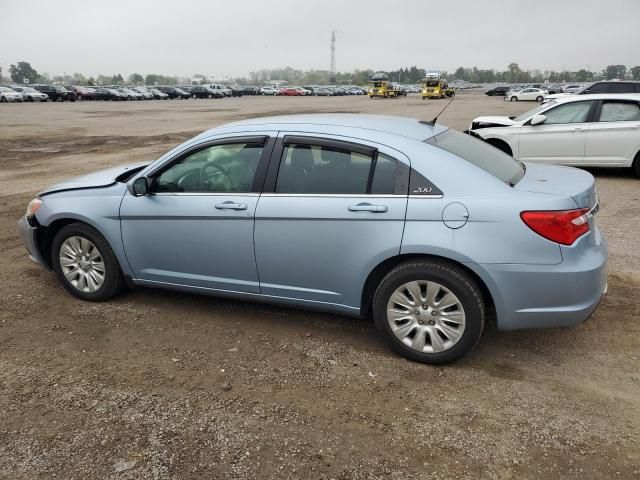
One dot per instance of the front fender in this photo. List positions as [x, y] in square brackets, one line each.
[97, 207]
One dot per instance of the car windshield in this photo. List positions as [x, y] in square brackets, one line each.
[5, 89]
[522, 117]
[481, 154]
[29, 90]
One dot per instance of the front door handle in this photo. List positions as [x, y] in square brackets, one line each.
[367, 207]
[231, 206]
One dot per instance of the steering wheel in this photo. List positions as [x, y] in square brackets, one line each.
[215, 174]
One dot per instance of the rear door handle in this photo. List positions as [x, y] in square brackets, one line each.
[367, 207]
[231, 206]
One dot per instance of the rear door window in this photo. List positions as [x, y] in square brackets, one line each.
[326, 169]
[616, 111]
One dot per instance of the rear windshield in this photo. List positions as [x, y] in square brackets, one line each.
[481, 154]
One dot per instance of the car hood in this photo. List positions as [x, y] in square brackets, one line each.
[100, 178]
[489, 121]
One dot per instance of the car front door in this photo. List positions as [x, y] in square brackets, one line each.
[331, 210]
[195, 227]
[561, 138]
[614, 138]
[527, 94]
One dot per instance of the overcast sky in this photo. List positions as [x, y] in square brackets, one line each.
[233, 38]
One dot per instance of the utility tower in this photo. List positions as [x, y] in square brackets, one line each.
[332, 68]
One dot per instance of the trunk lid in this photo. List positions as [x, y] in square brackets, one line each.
[559, 180]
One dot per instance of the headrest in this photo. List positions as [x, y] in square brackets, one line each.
[302, 157]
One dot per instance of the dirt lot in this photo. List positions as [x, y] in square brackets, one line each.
[158, 385]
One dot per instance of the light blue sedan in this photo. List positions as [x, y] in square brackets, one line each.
[430, 231]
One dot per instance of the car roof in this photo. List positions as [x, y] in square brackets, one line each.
[368, 125]
[599, 96]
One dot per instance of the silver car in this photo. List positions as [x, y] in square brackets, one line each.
[9, 95]
[429, 231]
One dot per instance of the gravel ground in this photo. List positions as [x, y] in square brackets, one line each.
[161, 385]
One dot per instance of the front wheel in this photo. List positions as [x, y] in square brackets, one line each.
[539, 99]
[85, 263]
[430, 312]
[636, 165]
[514, 99]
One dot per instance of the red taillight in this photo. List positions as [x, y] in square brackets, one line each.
[560, 226]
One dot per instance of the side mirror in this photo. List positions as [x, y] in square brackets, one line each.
[139, 187]
[538, 119]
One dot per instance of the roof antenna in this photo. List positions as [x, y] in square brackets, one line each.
[435, 119]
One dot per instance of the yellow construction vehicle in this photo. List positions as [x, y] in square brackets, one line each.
[434, 87]
[380, 86]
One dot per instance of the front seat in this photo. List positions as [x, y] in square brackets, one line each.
[295, 175]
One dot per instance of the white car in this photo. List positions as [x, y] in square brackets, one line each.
[579, 130]
[218, 88]
[269, 91]
[8, 95]
[30, 94]
[533, 94]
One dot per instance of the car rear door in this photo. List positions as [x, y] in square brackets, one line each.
[561, 138]
[195, 228]
[332, 209]
[614, 138]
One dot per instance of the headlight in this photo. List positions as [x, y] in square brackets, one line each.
[33, 207]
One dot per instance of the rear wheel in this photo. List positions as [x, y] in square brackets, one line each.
[539, 99]
[429, 311]
[636, 164]
[85, 263]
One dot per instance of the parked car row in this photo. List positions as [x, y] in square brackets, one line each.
[30, 93]
[535, 91]
[313, 90]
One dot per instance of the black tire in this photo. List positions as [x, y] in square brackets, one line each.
[3, 100]
[500, 145]
[513, 99]
[113, 279]
[636, 165]
[539, 99]
[451, 277]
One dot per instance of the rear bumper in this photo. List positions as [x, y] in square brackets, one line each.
[28, 233]
[545, 296]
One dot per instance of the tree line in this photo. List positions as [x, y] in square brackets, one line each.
[513, 74]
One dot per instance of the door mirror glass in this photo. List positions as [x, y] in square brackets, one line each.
[140, 187]
[538, 119]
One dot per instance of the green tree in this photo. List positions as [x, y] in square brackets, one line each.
[582, 75]
[513, 73]
[23, 70]
[635, 72]
[136, 79]
[79, 79]
[614, 71]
